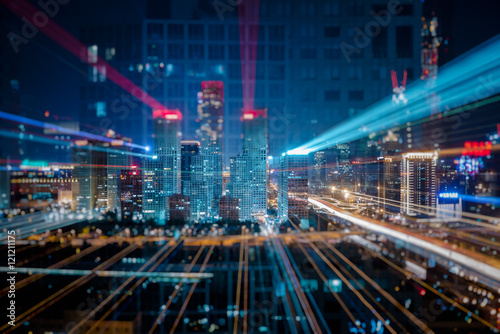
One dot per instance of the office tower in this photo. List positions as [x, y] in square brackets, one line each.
[210, 134]
[418, 184]
[167, 147]
[89, 159]
[162, 172]
[293, 189]
[153, 193]
[229, 208]
[389, 182]
[189, 148]
[344, 173]
[318, 172]
[130, 192]
[118, 159]
[179, 207]
[99, 175]
[81, 188]
[256, 147]
[240, 185]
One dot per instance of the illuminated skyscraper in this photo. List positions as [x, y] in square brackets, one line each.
[118, 159]
[162, 172]
[189, 149]
[256, 148]
[418, 183]
[240, 185]
[154, 204]
[167, 147]
[90, 175]
[210, 134]
[293, 189]
[130, 192]
[389, 181]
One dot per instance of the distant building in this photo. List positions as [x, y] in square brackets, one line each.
[256, 148]
[240, 185]
[389, 182]
[180, 207]
[130, 190]
[210, 134]
[38, 188]
[418, 183]
[118, 159]
[162, 172]
[229, 208]
[189, 148]
[153, 191]
[318, 172]
[293, 189]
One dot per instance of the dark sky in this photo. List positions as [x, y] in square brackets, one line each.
[50, 75]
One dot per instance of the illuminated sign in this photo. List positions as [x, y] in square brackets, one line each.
[81, 142]
[170, 114]
[448, 195]
[477, 149]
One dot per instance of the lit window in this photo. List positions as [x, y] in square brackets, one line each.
[100, 109]
[92, 54]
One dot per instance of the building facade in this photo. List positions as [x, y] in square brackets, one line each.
[293, 189]
[418, 183]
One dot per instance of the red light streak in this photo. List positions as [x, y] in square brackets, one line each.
[59, 35]
[249, 17]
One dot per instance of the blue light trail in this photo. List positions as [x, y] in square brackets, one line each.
[466, 80]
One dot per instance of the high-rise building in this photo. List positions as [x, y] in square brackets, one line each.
[130, 192]
[418, 183]
[167, 147]
[256, 148]
[154, 198]
[162, 172]
[240, 185]
[293, 189]
[189, 149]
[210, 135]
[118, 159]
[389, 182]
[82, 188]
[318, 172]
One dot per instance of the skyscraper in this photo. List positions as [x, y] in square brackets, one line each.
[210, 134]
[167, 147]
[189, 149]
[130, 192]
[256, 147]
[162, 171]
[240, 185]
[293, 189]
[118, 159]
[389, 181]
[418, 184]
[89, 159]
